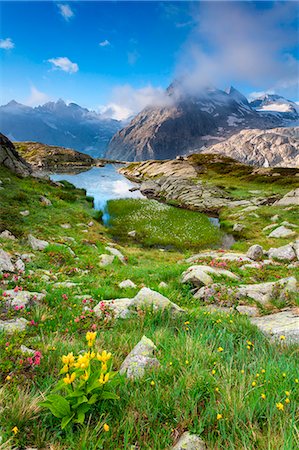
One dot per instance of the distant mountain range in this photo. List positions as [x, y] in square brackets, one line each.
[56, 123]
[191, 123]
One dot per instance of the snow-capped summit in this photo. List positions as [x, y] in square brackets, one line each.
[276, 104]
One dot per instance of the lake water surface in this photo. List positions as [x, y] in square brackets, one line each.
[103, 184]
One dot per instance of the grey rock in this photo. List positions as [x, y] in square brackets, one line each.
[14, 325]
[291, 198]
[25, 213]
[238, 227]
[6, 264]
[132, 233]
[288, 224]
[163, 285]
[284, 323]
[45, 201]
[27, 256]
[116, 253]
[65, 284]
[190, 441]
[199, 275]
[37, 244]
[286, 252]
[251, 311]
[22, 298]
[6, 234]
[268, 227]
[19, 264]
[26, 350]
[263, 292]
[105, 260]
[255, 252]
[281, 232]
[140, 359]
[127, 284]
[296, 248]
[274, 218]
[66, 225]
[10, 158]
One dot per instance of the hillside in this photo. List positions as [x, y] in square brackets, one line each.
[189, 123]
[10, 158]
[51, 158]
[111, 341]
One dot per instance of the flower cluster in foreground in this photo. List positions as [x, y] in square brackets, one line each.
[87, 381]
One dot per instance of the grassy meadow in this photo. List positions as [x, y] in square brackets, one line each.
[220, 377]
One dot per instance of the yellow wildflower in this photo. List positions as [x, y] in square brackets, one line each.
[257, 375]
[104, 356]
[263, 396]
[186, 362]
[90, 337]
[217, 389]
[282, 337]
[213, 372]
[8, 378]
[296, 380]
[15, 430]
[82, 361]
[187, 322]
[104, 367]
[152, 383]
[106, 427]
[85, 376]
[287, 400]
[242, 371]
[253, 384]
[104, 378]
[284, 374]
[69, 378]
[287, 393]
[220, 349]
[219, 416]
[263, 371]
[68, 359]
[280, 406]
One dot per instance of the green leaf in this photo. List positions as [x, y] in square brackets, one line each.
[66, 420]
[80, 400]
[106, 395]
[75, 394]
[59, 406]
[93, 399]
[80, 417]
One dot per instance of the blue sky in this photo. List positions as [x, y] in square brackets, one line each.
[118, 56]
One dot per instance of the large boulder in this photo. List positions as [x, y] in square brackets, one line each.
[22, 298]
[10, 158]
[255, 252]
[281, 232]
[116, 253]
[37, 244]
[199, 275]
[6, 264]
[284, 253]
[189, 441]
[291, 198]
[13, 325]
[263, 292]
[284, 323]
[126, 307]
[140, 359]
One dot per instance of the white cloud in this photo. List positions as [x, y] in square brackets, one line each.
[127, 101]
[244, 46]
[65, 64]
[36, 97]
[66, 11]
[6, 44]
[105, 43]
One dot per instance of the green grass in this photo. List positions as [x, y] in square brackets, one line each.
[159, 225]
[186, 394]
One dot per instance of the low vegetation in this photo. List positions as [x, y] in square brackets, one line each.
[160, 225]
[219, 376]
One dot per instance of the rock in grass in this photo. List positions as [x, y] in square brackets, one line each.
[37, 244]
[25, 213]
[263, 292]
[19, 264]
[190, 441]
[284, 323]
[255, 252]
[6, 264]
[127, 284]
[22, 298]
[139, 359]
[66, 226]
[281, 232]
[26, 350]
[238, 227]
[13, 326]
[291, 198]
[284, 253]
[45, 201]
[146, 298]
[105, 260]
[6, 234]
[116, 253]
[163, 285]
[251, 311]
[199, 275]
[132, 233]
[65, 284]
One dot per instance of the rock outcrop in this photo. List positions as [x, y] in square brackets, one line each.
[277, 147]
[139, 359]
[10, 158]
